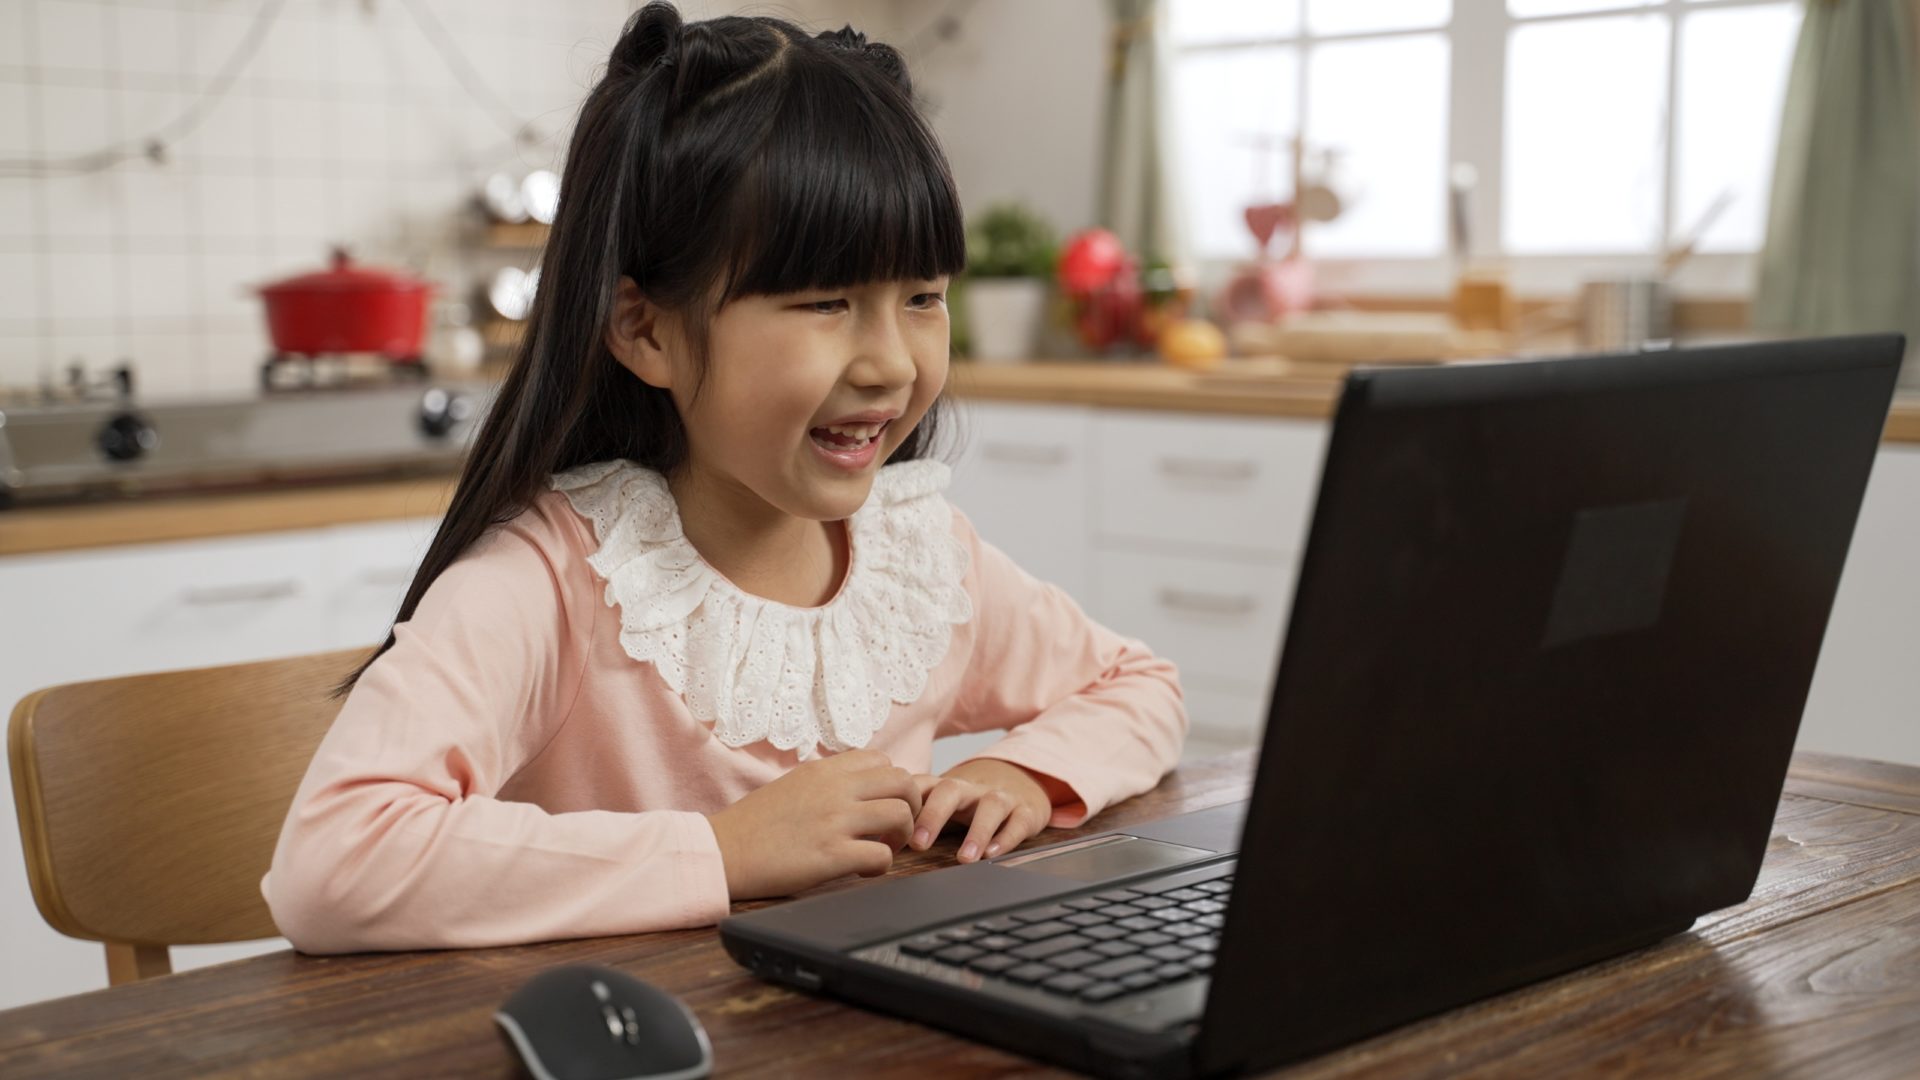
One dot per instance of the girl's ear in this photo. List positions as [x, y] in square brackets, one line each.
[635, 336]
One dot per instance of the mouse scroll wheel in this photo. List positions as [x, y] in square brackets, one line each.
[633, 1024]
[623, 1026]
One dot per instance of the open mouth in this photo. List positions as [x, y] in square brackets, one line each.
[844, 438]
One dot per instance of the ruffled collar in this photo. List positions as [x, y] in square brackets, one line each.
[756, 669]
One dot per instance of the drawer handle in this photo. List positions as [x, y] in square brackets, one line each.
[1025, 455]
[1208, 603]
[239, 594]
[1202, 469]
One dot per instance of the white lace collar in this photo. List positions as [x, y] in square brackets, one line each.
[759, 669]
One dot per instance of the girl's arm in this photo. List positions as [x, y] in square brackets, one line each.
[396, 839]
[1096, 715]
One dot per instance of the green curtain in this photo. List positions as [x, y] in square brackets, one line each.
[1842, 253]
[1137, 185]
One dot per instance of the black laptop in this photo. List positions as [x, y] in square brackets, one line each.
[1550, 643]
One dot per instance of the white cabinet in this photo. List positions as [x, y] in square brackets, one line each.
[71, 616]
[1022, 477]
[1185, 531]
[1865, 699]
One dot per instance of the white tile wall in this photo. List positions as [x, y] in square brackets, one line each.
[346, 127]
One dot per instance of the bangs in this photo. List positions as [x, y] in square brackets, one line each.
[850, 187]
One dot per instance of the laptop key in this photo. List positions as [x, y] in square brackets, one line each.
[993, 963]
[1028, 974]
[1085, 918]
[1041, 950]
[1103, 932]
[1211, 922]
[1073, 961]
[1140, 981]
[1083, 903]
[1170, 972]
[1121, 967]
[1037, 931]
[1070, 983]
[1185, 930]
[1203, 962]
[1152, 903]
[1116, 948]
[922, 945]
[996, 942]
[1122, 911]
[1170, 953]
[1139, 922]
[1102, 991]
[1115, 895]
[1151, 939]
[1171, 914]
[1034, 915]
[1000, 925]
[1217, 885]
[1203, 942]
[957, 934]
[1185, 894]
[1204, 907]
[958, 954]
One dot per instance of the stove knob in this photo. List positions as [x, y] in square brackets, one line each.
[441, 411]
[127, 436]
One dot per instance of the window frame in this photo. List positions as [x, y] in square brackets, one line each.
[1477, 33]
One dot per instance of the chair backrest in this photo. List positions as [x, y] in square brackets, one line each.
[150, 804]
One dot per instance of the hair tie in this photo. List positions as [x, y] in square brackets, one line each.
[665, 60]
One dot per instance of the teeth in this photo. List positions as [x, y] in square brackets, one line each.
[855, 431]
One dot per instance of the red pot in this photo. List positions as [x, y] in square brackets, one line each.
[348, 309]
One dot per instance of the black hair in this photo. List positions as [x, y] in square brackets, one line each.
[714, 160]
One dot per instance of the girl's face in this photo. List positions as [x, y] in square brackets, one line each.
[805, 395]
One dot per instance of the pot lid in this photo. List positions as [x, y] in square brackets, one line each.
[346, 276]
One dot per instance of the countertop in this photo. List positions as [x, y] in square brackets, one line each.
[1243, 388]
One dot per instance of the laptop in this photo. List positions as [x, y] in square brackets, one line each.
[1553, 631]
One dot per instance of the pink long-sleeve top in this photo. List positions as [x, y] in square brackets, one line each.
[534, 757]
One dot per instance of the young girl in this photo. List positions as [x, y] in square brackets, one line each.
[682, 637]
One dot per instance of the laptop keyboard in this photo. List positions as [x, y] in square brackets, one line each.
[1094, 948]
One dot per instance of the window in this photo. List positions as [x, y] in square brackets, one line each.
[1596, 127]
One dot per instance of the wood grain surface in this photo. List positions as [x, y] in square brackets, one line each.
[1817, 975]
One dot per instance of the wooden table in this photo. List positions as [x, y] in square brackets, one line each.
[1817, 975]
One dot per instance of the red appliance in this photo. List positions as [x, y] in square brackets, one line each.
[348, 309]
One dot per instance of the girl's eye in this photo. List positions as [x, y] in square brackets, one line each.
[826, 307]
[928, 299]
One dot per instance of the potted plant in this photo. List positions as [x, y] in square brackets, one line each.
[1010, 255]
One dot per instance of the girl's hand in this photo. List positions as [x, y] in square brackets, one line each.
[1004, 804]
[845, 814]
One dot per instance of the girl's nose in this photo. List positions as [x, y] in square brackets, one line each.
[884, 359]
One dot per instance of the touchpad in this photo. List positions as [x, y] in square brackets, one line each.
[1102, 857]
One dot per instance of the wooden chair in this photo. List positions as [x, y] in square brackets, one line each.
[150, 804]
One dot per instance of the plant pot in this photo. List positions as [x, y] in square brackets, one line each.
[1004, 317]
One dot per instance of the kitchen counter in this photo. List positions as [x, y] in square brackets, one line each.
[1243, 388]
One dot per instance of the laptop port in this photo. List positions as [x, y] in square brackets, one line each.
[805, 977]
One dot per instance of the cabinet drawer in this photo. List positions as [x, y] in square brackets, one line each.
[1206, 480]
[1220, 620]
[1022, 478]
[371, 567]
[159, 606]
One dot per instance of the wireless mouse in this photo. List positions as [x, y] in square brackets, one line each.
[585, 1022]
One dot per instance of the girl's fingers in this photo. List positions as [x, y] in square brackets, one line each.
[936, 812]
[988, 813]
[868, 858]
[886, 820]
[889, 782]
[1020, 827]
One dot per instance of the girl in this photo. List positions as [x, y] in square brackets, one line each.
[682, 637]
